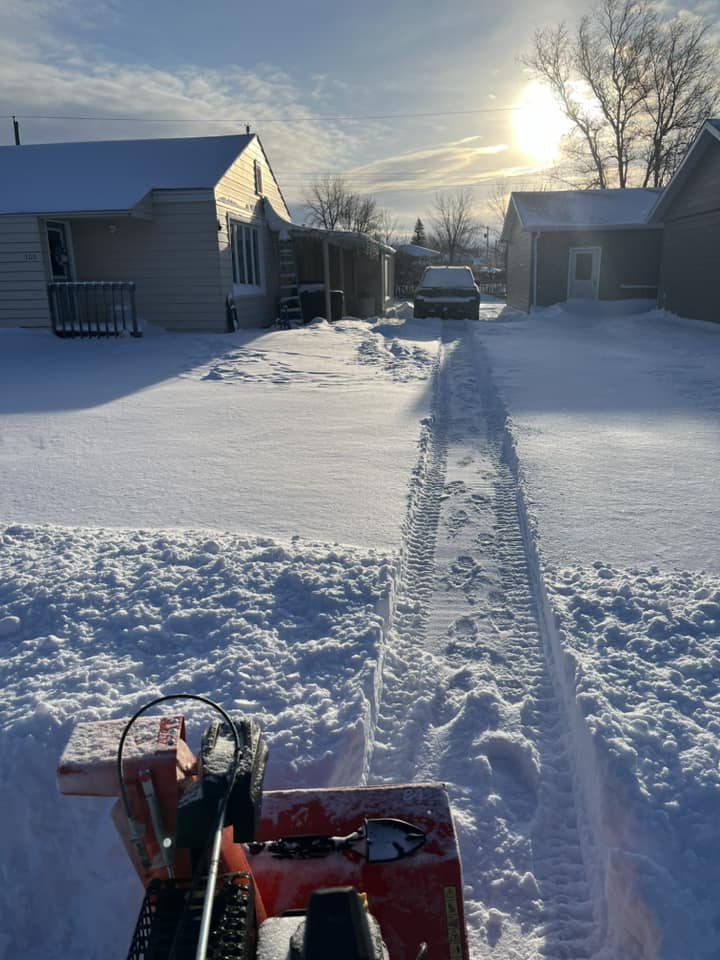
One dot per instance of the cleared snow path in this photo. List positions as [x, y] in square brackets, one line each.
[467, 694]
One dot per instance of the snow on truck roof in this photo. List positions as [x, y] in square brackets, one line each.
[570, 209]
[109, 174]
[448, 277]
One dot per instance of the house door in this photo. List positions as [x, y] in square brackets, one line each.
[58, 237]
[584, 273]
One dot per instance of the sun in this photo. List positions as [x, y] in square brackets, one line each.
[539, 125]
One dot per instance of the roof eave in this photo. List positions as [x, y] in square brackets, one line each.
[682, 172]
[79, 214]
[596, 227]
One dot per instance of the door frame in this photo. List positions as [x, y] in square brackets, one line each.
[597, 259]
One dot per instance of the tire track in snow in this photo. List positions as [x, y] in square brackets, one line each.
[467, 689]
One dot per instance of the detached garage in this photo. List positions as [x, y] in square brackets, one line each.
[580, 244]
[689, 209]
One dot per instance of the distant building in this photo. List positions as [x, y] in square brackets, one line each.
[689, 211]
[568, 244]
[191, 225]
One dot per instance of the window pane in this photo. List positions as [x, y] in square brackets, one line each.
[242, 275]
[256, 258]
[248, 256]
[583, 266]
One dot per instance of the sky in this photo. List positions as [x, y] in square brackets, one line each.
[439, 98]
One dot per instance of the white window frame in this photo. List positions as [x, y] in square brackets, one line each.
[246, 250]
[387, 292]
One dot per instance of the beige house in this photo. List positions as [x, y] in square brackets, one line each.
[185, 224]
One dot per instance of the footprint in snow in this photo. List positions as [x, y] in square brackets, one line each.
[515, 773]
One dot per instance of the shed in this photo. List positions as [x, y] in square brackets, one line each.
[181, 218]
[580, 244]
[352, 270]
[689, 211]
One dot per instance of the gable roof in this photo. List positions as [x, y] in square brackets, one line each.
[109, 175]
[709, 132]
[582, 209]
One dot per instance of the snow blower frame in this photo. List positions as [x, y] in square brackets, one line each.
[234, 873]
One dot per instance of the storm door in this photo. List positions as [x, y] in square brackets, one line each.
[584, 273]
[58, 236]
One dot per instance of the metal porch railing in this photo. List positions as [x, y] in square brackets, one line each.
[94, 308]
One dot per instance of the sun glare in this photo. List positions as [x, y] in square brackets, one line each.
[539, 125]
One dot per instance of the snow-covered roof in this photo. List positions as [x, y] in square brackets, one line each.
[575, 209]
[109, 174]
[344, 238]
[709, 132]
[415, 250]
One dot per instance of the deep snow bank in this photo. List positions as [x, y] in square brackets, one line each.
[612, 431]
[642, 652]
[96, 622]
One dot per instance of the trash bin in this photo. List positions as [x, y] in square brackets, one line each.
[312, 302]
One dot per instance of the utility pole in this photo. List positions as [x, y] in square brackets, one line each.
[16, 131]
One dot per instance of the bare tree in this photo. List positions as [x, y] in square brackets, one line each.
[333, 205]
[327, 201]
[634, 85]
[681, 91]
[387, 228]
[362, 214]
[552, 59]
[453, 222]
[498, 199]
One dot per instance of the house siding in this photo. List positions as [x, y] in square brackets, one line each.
[172, 259]
[700, 194]
[691, 243]
[690, 267]
[235, 199]
[23, 286]
[518, 266]
[629, 266]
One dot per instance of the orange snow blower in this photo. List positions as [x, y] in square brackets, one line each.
[232, 872]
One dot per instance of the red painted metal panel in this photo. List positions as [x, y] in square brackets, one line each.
[414, 900]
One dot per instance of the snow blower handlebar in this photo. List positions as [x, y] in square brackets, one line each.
[164, 841]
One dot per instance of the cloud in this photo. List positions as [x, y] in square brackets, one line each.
[49, 64]
[462, 162]
[40, 76]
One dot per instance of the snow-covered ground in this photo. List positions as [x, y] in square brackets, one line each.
[482, 553]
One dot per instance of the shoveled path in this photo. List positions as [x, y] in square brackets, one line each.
[467, 691]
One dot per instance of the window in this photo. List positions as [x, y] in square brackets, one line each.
[583, 266]
[258, 177]
[246, 247]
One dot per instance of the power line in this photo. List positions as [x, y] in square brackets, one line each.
[257, 120]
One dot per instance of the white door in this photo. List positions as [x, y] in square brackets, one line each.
[584, 273]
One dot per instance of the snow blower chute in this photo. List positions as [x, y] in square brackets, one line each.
[232, 872]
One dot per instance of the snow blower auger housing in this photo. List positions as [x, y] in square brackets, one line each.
[232, 872]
